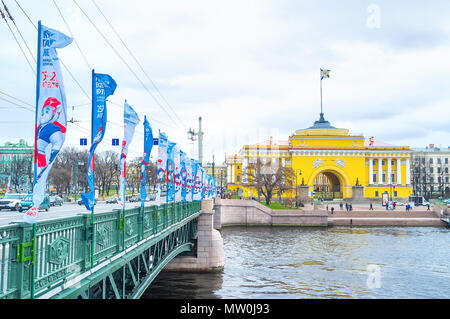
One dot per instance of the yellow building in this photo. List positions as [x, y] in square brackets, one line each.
[331, 163]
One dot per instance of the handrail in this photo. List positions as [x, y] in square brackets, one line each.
[62, 247]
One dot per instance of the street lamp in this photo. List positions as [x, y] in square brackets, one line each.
[296, 185]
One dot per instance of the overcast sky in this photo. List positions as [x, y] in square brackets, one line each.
[250, 69]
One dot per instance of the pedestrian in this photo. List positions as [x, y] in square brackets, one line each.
[332, 210]
[428, 205]
[395, 204]
[327, 207]
[346, 206]
[371, 207]
[341, 205]
[351, 207]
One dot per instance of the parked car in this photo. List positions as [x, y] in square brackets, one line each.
[112, 200]
[135, 199]
[27, 202]
[80, 201]
[11, 201]
[56, 201]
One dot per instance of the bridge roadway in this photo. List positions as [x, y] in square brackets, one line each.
[66, 210]
[112, 254]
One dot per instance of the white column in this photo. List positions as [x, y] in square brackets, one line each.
[389, 178]
[408, 172]
[399, 171]
[370, 171]
[233, 175]
[380, 171]
[244, 169]
[229, 174]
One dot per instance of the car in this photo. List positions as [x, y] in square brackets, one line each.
[11, 201]
[112, 200]
[56, 201]
[80, 201]
[135, 199]
[27, 202]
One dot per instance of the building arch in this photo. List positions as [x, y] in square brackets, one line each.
[339, 174]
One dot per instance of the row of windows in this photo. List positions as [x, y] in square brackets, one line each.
[438, 170]
[431, 180]
[431, 161]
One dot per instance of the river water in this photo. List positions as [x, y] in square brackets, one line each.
[336, 262]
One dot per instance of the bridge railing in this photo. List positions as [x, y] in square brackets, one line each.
[34, 262]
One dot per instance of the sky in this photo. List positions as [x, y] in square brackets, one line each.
[249, 69]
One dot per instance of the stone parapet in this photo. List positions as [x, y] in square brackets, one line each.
[210, 253]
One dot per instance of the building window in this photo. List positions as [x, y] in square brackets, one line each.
[376, 193]
[446, 169]
[431, 170]
[383, 162]
[392, 162]
[393, 177]
[431, 160]
[395, 194]
[439, 170]
[238, 178]
[446, 160]
[384, 178]
[374, 162]
[446, 179]
[238, 167]
[374, 178]
[431, 180]
[439, 160]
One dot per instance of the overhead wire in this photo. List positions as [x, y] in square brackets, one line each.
[137, 62]
[123, 60]
[17, 41]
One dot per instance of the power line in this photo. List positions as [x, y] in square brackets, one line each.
[137, 62]
[17, 41]
[71, 33]
[123, 60]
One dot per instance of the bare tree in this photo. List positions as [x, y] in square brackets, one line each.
[268, 176]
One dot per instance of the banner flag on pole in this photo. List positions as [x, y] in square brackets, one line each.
[148, 144]
[103, 85]
[324, 74]
[170, 197]
[177, 173]
[189, 179]
[163, 144]
[51, 114]
[130, 121]
[8, 188]
[183, 173]
[196, 179]
[204, 182]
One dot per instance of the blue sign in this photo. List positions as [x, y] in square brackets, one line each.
[115, 141]
[83, 141]
[155, 141]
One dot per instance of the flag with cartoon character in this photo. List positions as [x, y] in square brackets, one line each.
[183, 173]
[177, 174]
[161, 163]
[130, 120]
[51, 115]
[170, 197]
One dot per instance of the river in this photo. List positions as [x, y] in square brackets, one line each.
[335, 262]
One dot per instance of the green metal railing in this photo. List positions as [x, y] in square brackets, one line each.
[34, 262]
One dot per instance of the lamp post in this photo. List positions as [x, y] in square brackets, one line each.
[296, 185]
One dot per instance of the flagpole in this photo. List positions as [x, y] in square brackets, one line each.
[321, 112]
[93, 175]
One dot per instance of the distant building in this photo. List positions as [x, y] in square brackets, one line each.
[430, 171]
[327, 162]
[220, 173]
[16, 161]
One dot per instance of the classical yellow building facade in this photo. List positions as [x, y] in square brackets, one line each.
[332, 164]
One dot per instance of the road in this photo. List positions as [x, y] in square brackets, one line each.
[66, 210]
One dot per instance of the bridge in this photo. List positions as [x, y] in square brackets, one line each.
[114, 255]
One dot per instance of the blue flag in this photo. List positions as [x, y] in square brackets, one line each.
[51, 115]
[161, 163]
[148, 144]
[170, 173]
[183, 175]
[103, 85]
